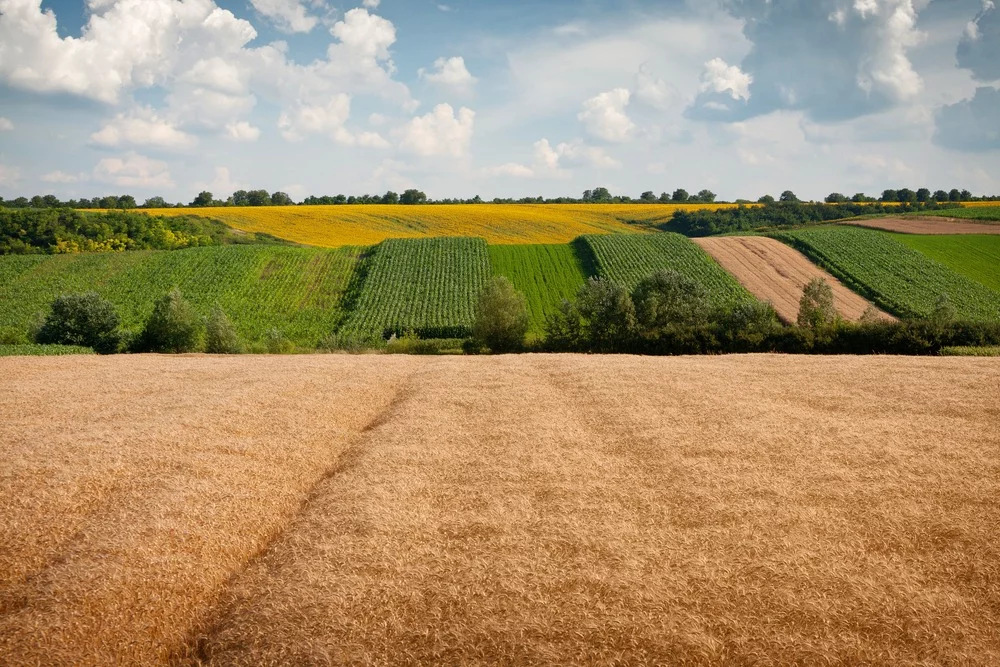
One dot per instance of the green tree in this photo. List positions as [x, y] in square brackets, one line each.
[601, 195]
[501, 317]
[390, 197]
[126, 202]
[680, 196]
[258, 198]
[241, 198]
[220, 335]
[281, 199]
[608, 314]
[204, 198]
[940, 196]
[155, 202]
[816, 309]
[788, 197]
[649, 197]
[564, 329]
[766, 200]
[835, 198]
[954, 195]
[413, 196]
[906, 195]
[82, 319]
[706, 196]
[668, 298]
[923, 195]
[173, 326]
[889, 196]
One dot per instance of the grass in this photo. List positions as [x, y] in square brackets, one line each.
[32, 350]
[982, 211]
[974, 256]
[429, 286]
[514, 510]
[334, 226]
[545, 274]
[295, 290]
[970, 352]
[629, 259]
[894, 276]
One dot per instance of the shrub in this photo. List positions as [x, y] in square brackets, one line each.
[277, 343]
[84, 320]
[564, 329]
[353, 342]
[173, 326]
[668, 298]
[608, 314]
[816, 309]
[501, 316]
[12, 336]
[220, 335]
[944, 311]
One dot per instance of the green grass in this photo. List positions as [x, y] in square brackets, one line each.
[429, 286]
[296, 290]
[981, 213]
[628, 259]
[545, 274]
[970, 352]
[42, 350]
[975, 256]
[898, 278]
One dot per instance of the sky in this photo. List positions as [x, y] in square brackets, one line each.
[499, 99]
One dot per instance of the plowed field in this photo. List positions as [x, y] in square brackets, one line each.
[499, 510]
[927, 226]
[774, 272]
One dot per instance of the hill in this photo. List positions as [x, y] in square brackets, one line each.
[976, 257]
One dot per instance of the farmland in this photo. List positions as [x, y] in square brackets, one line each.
[545, 274]
[499, 510]
[627, 260]
[984, 211]
[335, 226]
[926, 225]
[899, 279]
[976, 257]
[428, 285]
[295, 290]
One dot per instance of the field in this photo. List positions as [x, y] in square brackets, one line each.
[922, 225]
[977, 257]
[335, 226]
[504, 510]
[428, 285]
[985, 211]
[629, 259]
[897, 278]
[32, 350]
[296, 290]
[774, 272]
[545, 274]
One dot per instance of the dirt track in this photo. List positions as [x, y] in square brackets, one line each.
[927, 225]
[772, 271]
[499, 510]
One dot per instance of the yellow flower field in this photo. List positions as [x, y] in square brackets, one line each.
[335, 226]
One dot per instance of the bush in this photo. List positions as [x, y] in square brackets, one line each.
[501, 317]
[608, 314]
[668, 298]
[84, 320]
[277, 343]
[351, 342]
[816, 309]
[220, 335]
[12, 336]
[173, 326]
[564, 329]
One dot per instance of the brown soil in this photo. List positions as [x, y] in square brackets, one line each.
[500, 510]
[927, 225]
[772, 271]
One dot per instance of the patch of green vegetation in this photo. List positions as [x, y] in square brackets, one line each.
[898, 278]
[42, 350]
[545, 274]
[628, 260]
[982, 213]
[971, 351]
[296, 291]
[427, 286]
[974, 255]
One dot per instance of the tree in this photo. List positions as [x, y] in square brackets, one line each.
[668, 298]
[906, 195]
[241, 198]
[816, 309]
[835, 198]
[788, 197]
[564, 328]
[664, 197]
[588, 195]
[954, 195]
[155, 202]
[923, 195]
[413, 196]
[220, 335]
[82, 319]
[706, 196]
[281, 199]
[51, 201]
[601, 195]
[940, 196]
[173, 326]
[390, 197]
[204, 198]
[965, 195]
[608, 314]
[859, 197]
[680, 195]
[889, 196]
[648, 196]
[944, 311]
[126, 202]
[109, 202]
[501, 317]
[258, 198]
[766, 200]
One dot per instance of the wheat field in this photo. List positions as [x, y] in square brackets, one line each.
[499, 510]
[361, 225]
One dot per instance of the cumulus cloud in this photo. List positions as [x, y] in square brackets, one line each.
[287, 15]
[242, 131]
[833, 59]
[450, 72]
[604, 116]
[142, 127]
[971, 125]
[63, 177]
[5, 124]
[653, 91]
[327, 119]
[979, 50]
[551, 162]
[133, 171]
[440, 132]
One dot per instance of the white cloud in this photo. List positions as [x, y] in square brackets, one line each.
[654, 91]
[242, 131]
[133, 171]
[549, 162]
[5, 124]
[720, 77]
[9, 176]
[63, 177]
[287, 15]
[222, 184]
[439, 133]
[327, 119]
[371, 4]
[577, 153]
[142, 127]
[365, 35]
[604, 116]
[449, 72]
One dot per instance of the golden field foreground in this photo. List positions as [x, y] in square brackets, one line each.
[363, 225]
[499, 510]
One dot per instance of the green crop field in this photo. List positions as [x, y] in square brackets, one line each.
[428, 285]
[296, 290]
[984, 213]
[972, 255]
[545, 274]
[629, 259]
[33, 350]
[893, 275]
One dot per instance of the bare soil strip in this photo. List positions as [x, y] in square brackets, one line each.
[927, 225]
[502, 510]
[775, 272]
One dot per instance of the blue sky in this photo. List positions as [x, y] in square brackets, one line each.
[515, 98]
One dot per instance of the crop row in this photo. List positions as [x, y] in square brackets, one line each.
[894, 276]
[545, 274]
